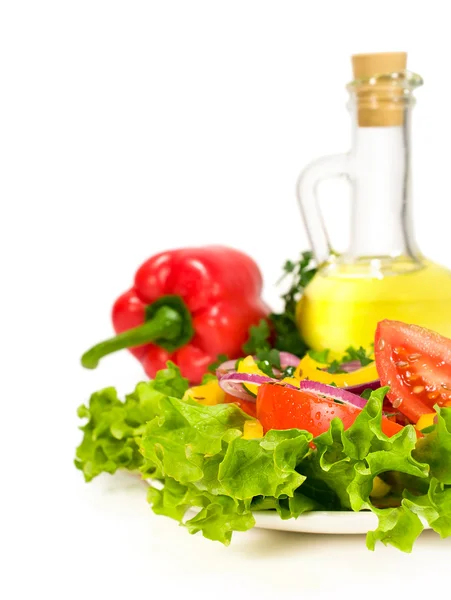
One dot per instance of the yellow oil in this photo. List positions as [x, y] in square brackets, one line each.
[343, 304]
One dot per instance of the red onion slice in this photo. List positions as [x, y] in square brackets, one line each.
[232, 383]
[236, 390]
[253, 378]
[288, 360]
[226, 367]
[351, 366]
[361, 387]
[333, 393]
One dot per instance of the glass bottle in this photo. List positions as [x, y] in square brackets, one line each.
[382, 275]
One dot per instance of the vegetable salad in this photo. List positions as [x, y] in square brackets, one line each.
[216, 459]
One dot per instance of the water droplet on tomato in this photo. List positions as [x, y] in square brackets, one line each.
[411, 376]
[318, 415]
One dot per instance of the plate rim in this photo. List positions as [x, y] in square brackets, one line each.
[314, 521]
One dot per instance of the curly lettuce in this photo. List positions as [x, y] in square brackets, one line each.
[205, 475]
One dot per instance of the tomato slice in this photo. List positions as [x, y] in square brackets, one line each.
[280, 407]
[246, 405]
[416, 364]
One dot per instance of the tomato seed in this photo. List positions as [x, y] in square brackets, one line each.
[418, 389]
[397, 403]
[413, 357]
[381, 345]
[432, 395]
[402, 364]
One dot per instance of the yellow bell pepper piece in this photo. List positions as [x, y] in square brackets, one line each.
[252, 430]
[380, 488]
[207, 394]
[248, 365]
[291, 381]
[309, 368]
[425, 421]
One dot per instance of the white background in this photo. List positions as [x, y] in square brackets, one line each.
[131, 127]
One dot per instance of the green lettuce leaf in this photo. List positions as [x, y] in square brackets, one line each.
[398, 527]
[264, 466]
[113, 432]
[170, 382]
[347, 461]
[201, 448]
[435, 448]
[186, 435]
[220, 518]
[217, 517]
[109, 441]
[173, 500]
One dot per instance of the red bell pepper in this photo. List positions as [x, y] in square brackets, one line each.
[188, 306]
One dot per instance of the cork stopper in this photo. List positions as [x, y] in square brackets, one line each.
[365, 66]
[379, 102]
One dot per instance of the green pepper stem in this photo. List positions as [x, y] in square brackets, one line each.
[166, 324]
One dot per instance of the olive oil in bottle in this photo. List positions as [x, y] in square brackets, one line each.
[382, 275]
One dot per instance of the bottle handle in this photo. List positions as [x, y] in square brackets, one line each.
[324, 168]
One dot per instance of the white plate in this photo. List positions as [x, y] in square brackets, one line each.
[322, 522]
[327, 522]
[319, 522]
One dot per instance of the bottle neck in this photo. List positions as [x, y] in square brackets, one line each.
[381, 224]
